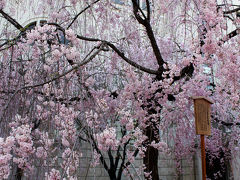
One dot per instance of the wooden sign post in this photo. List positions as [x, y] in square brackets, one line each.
[203, 124]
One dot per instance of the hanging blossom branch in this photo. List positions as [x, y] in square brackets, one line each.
[113, 165]
[113, 47]
[95, 146]
[186, 71]
[90, 136]
[85, 61]
[71, 154]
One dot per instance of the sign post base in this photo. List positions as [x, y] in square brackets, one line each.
[203, 154]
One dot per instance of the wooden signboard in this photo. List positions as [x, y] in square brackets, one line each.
[203, 125]
[202, 115]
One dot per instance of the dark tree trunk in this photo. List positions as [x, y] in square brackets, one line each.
[151, 162]
[19, 173]
[112, 175]
[217, 169]
[151, 155]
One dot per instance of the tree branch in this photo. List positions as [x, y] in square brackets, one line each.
[229, 36]
[227, 124]
[11, 20]
[99, 152]
[114, 48]
[123, 161]
[75, 18]
[148, 10]
[186, 71]
[144, 69]
[111, 159]
[136, 9]
[146, 23]
[231, 11]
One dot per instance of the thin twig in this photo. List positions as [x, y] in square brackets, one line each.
[75, 18]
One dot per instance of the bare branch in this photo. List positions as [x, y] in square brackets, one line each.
[146, 23]
[232, 11]
[75, 18]
[11, 20]
[150, 71]
[136, 8]
[148, 10]
[229, 36]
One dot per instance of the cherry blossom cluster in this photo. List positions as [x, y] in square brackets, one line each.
[70, 162]
[107, 139]
[53, 175]
[65, 123]
[24, 147]
[96, 158]
[6, 146]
